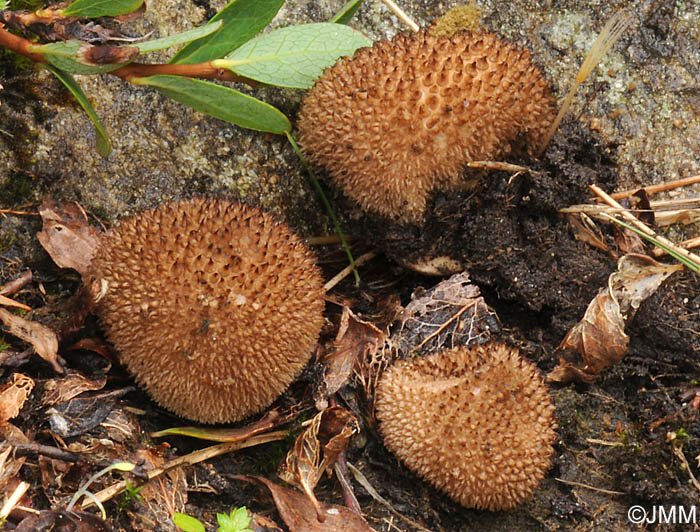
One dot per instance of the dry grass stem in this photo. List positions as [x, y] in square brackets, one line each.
[402, 15]
[686, 244]
[642, 226]
[678, 451]
[662, 187]
[190, 459]
[359, 261]
[592, 488]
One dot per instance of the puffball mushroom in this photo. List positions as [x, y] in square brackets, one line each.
[401, 119]
[477, 423]
[214, 306]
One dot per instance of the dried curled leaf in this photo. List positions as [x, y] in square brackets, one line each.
[316, 450]
[300, 515]
[599, 339]
[43, 339]
[356, 340]
[67, 236]
[450, 314]
[13, 395]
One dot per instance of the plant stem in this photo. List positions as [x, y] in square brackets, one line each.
[132, 70]
[326, 204]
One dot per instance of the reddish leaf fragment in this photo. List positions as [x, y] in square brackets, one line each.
[13, 395]
[356, 339]
[67, 236]
[300, 516]
[599, 339]
[43, 339]
[68, 387]
[61, 521]
[317, 449]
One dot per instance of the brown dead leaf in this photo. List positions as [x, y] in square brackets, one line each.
[586, 231]
[300, 516]
[317, 449]
[43, 339]
[356, 340]
[599, 339]
[10, 462]
[67, 236]
[13, 395]
[450, 314]
[66, 388]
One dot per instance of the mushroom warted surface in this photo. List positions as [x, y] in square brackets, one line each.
[401, 119]
[477, 423]
[214, 306]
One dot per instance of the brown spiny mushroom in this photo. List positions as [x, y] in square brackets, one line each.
[213, 306]
[401, 119]
[477, 423]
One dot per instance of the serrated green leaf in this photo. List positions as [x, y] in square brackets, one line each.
[100, 8]
[220, 102]
[188, 523]
[180, 38]
[294, 56]
[346, 12]
[103, 143]
[64, 56]
[242, 20]
[237, 521]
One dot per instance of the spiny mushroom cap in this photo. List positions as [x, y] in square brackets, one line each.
[401, 119]
[476, 423]
[213, 306]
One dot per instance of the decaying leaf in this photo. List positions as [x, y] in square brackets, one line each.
[599, 339]
[450, 314]
[43, 339]
[13, 395]
[356, 340]
[68, 387]
[300, 515]
[10, 462]
[316, 450]
[81, 414]
[269, 421]
[67, 236]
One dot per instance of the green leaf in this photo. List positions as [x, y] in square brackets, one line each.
[237, 521]
[294, 56]
[346, 12]
[220, 102]
[188, 523]
[242, 19]
[180, 38]
[64, 56]
[103, 142]
[100, 8]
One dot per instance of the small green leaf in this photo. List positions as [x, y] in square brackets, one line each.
[242, 20]
[294, 56]
[188, 523]
[64, 56]
[103, 143]
[220, 102]
[237, 521]
[346, 12]
[100, 8]
[180, 38]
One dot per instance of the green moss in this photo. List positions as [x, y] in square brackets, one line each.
[460, 18]
[15, 189]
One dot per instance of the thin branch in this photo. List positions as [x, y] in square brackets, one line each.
[678, 451]
[686, 244]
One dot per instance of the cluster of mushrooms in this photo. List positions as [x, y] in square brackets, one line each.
[216, 308]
